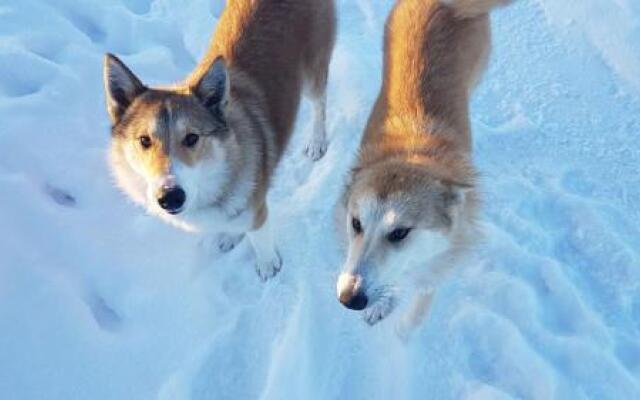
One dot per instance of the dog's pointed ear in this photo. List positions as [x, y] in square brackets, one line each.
[121, 87]
[453, 193]
[451, 197]
[214, 86]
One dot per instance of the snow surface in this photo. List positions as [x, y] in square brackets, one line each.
[99, 301]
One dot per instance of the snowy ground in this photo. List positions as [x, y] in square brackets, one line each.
[99, 301]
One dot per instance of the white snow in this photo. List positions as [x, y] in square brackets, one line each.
[99, 301]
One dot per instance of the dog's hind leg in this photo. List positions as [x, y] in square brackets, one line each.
[317, 143]
[415, 315]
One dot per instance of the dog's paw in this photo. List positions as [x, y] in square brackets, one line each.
[226, 242]
[378, 310]
[269, 268]
[316, 149]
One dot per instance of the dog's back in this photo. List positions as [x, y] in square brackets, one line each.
[435, 51]
[277, 57]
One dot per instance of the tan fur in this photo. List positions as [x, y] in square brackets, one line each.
[415, 154]
[277, 57]
[473, 8]
[274, 60]
[432, 59]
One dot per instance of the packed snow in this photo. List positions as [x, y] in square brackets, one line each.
[100, 301]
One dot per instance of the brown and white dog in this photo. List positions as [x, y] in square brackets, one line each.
[409, 207]
[200, 154]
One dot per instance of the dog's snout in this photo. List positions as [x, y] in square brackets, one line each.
[172, 199]
[350, 292]
[354, 300]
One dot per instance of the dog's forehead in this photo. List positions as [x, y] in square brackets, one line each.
[368, 206]
[164, 114]
[155, 120]
[147, 115]
[390, 217]
[174, 114]
[373, 209]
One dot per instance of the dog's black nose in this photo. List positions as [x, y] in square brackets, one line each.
[354, 301]
[172, 199]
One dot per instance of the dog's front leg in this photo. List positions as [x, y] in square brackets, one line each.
[426, 284]
[317, 141]
[416, 314]
[268, 260]
[225, 242]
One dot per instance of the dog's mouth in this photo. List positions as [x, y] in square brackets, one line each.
[382, 303]
[379, 309]
[380, 293]
[367, 298]
[174, 212]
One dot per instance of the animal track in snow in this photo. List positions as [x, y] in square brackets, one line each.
[105, 316]
[576, 182]
[60, 196]
[139, 7]
[86, 24]
[23, 82]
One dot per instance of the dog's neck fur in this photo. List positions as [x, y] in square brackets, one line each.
[416, 141]
[242, 187]
[235, 191]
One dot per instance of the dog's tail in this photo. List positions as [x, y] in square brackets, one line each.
[473, 8]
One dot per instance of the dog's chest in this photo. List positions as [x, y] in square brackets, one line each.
[216, 219]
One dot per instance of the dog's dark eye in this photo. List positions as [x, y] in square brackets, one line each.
[398, 235]
[190, 140]
[357, 225]
[145, 141]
